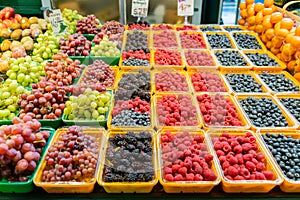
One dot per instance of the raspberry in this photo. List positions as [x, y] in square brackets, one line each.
[225, 165]
[167, 170]
[233, 160]
[248, 134]
[190, 177]
[260, 156]
[223, 139]
[246, 147]
[227, 148]
[238, 149]
[199, 138]
[225, 134]
[254, 146]
[198, 177]
[252, 177]
[220, 153]
[245, 173]
[222, 159]
[250, 166]
[268, 174]
[169, 177]
[181, 147]
[182, 171]
[168, 164]
[240, 159]
[209, 175]
[187, 153]
[175, 168]
[238, 177]
[254, 161]
[259, 176]
[178, 177]
[248, 157]
[232, 171]
[208, 158]
[260, 166]
[188, 162]
[195, 164]
[164, 138]
[203, 164]
[196, 158]
[198, 170]
[252, 139]
[229, 177]
[218, 146]
[234, 143]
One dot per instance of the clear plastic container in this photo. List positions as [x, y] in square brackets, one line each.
[69, 186]
[199, 52]
[252, 74]
[232, 68]
[158, 125]
[241, 116]
[128, 187]
[292, 125]
[185, 186]
[253, 34]
[245, 186]
[281, 66]
[288, 185]
[182, 73]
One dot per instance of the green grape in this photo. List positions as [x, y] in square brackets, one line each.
[101, 118]
[93, 105]
[95, 114]
[87, 114]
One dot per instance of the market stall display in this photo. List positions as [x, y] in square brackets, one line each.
[188, 106]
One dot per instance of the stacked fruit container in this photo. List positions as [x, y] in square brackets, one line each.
[127, 107]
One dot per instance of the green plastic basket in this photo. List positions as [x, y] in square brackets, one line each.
[82, 59]
[25, 187]
[102, 123]
[111, 61]
[54, 123]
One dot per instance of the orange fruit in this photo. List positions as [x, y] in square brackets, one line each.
[289, 37]
[297, 31]
[285, 58]
[248, 2]
[291, 66]
[276, 17]
[297, 67]
[251, 11]
[278, 56]
[276, 42]
[267, 11]
[241, 22]
[244, 14]
[263, 38]
[288, 49]
[274, 8]
[269, 44]
[251, 20]
[259, 18]
[258, 7]
[297, 56]
[295, 41]
[268, 3]
[267, 23]
[287, 23]
[259, 28]
[275, 50]
[297, 76]
[251, 28]
[270, 33]
[282, 33]
[242, 5]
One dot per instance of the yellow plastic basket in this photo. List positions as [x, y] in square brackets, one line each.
[252, 74]
[281, 66]
[128, 187]
[155, 27]
[245, 186]
[288, 185]
[241, 115]
[185, 186]
[254, 35]
[69, 186]
[292, 124]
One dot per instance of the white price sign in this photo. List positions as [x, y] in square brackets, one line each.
[139, 8]
[185, 7]
[56, 20]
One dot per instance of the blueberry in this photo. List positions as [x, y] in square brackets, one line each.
[219, 41]
[230, 58]
[246, 41]
[262, 59]
[293, 105]
[135, 62]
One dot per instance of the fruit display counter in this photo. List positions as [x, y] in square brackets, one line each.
[160, 109]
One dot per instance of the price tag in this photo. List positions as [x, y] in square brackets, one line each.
[185, 8]
[56, 20]
[139, 8]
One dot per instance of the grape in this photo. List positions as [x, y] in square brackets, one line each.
[75, 45]
[19, 155]
[105, 48]
[88, 105]
[47, 45]
[88, 25]
[78, 163]
[70, 18]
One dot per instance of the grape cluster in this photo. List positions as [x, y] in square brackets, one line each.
[10, 94]
[75, 45]
[129, 158]
[98, 73]
[105, 48]
[21, 146]
[89, 105]
[88, 25]
[73, 157]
